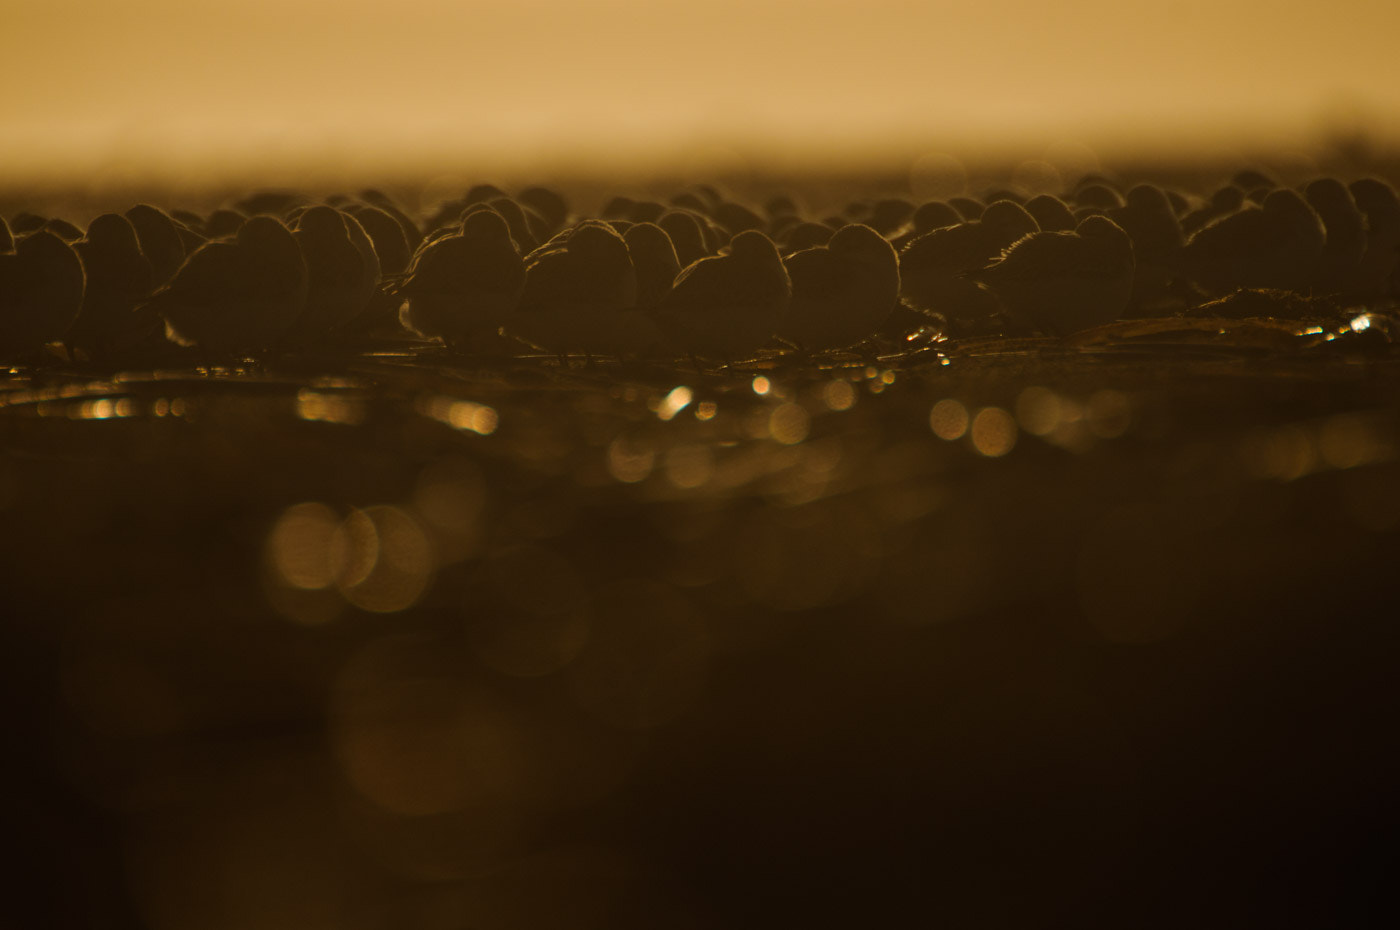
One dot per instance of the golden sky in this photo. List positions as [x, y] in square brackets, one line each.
[179, 86]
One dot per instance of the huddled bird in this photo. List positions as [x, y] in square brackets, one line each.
[463, 287]
[1345, 244]
[654, 260]
[933, 268]
[41, 292]
[118, 278]
[928, 216]
[548, 203]
[1096, 195]
[238, 296]
[1150, 222]
[1378, 202]
[159, 238]
[727, 307]
[842, 292]
[1051, 213]
[888, 215]
[581, 295]
[1222, 203]
[342, 272]
[63, 229]
[1063, 282]
[686, 235]
[223, 222]
[805, 235]
[1272, 246]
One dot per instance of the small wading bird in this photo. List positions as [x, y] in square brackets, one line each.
[1147, 217]
[727, 306]
[160, 240]
[654, 259]
[1345, 245]
[342, 272]
[1051, 213]
[581, 295]
[41, 292]
[933, 268]
[236, 296]
[1376, 275]
[1272, 246]
[841, 292]
[118, 278]
[463, 287]
[686, 235]
[1063, 282]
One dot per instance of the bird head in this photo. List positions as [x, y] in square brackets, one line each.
[115, 230]
[650, 240]
[752, 245]
[485, 224]
[1010, 219]
[322, 220]
[863, 243]
[593, 240]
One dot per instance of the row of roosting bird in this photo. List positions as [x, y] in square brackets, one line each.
[701, 275]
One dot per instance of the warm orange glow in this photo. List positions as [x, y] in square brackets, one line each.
[168, 90]
[993, 432]
[948, 419]
[789, 424]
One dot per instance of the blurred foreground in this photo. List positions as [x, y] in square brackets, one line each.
[1007, 633]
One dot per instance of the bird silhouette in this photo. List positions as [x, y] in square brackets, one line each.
[1096, 195]
[342, 272]
[1051, 213]
[933, 268]
[686, 235]
[889, 214]
[654, 259]
[928, 216]
[734, 218]
[1273, 246]
[464, 287]
[118, 279]
[41, 292]
[63, 229]
[236, 296]
[223, 222]
[160, 240]
[581, 295]
[1222, 203]
[527, 228]
[1063, 282]
[1378, 202]
[842, 292]
[1149, 220]
[727, 306]
[1345, 245]
[805, 235]
[549, 204]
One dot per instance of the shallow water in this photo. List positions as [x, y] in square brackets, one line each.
[1009, 632]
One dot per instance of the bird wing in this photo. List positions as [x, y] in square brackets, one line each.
[1041, 254]
[701, 284]
[815, 273]
[954, 249]
[207, 272]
